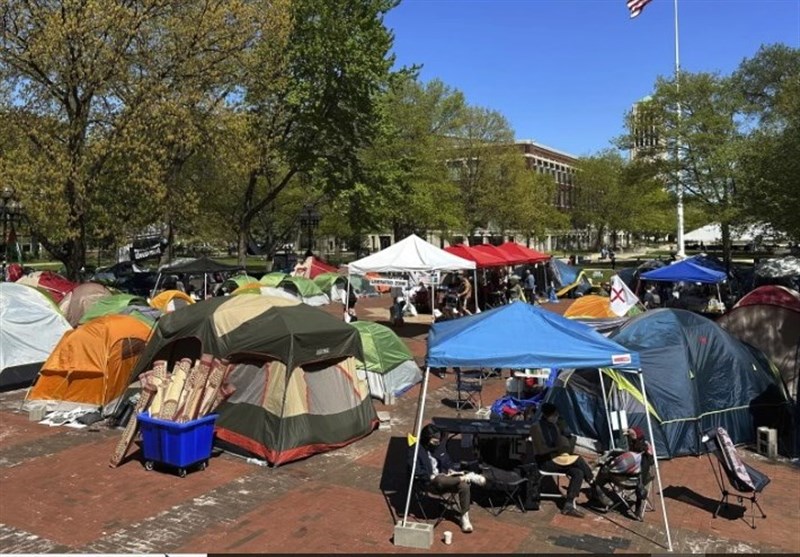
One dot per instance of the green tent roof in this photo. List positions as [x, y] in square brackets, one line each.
[240, 280]
[305, 287]
[272, 279]
[111, 304]
[383, 349]
[326, 280]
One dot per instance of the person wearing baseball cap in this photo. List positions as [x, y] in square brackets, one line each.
[552, 447]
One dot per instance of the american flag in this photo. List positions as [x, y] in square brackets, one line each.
[636, 6]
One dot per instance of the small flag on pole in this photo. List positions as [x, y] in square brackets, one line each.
[636, 6]
[622, 299]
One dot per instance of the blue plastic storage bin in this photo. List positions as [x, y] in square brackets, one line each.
[176, 444]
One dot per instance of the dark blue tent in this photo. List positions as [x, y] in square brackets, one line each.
[688, 270]
[698, 377]
[519, 336]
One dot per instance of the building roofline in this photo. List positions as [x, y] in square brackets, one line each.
[546, 147]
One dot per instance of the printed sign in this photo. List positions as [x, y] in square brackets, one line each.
[388, 282]
[619, 359]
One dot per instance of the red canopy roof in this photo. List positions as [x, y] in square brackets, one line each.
[518, 250]
[495, 251]
[481, 258]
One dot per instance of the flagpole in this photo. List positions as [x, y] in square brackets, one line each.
[679, 188]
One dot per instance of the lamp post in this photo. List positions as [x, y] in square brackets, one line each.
[309, 219]
[10, 212]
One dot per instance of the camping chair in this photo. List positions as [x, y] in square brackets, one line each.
[509, 485]
[745, 480]
[624, 487]
[469, 386]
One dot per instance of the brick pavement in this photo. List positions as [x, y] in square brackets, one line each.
[58, 495]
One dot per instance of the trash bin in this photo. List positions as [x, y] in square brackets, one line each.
[179, 445]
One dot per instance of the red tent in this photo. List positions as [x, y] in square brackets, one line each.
[318, 267]
[773, 295]
[56, 285]
[518, 250]
[497, 252]
[481, 258]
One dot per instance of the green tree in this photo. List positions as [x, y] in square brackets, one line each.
[700, 141]
[769, 85]
[98, 91]
[311, 103]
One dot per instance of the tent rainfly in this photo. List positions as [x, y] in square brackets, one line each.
[521, 336]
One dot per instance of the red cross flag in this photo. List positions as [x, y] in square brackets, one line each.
[622, 299]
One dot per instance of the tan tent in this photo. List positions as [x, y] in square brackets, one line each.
[75, 304]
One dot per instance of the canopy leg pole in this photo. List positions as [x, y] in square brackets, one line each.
[417, 433]
[655, 460]
[608, 410]
[434, 287]
[719, 295]
[347, 298]
[155, 286]
[475, 288]
[205, 286]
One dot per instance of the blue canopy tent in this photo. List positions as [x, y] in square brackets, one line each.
[522, 336]
[688, 270]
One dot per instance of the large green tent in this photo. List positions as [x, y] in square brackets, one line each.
[295, 374]
[332, 284]
[387, 360]
[308, 292]
[111, 304]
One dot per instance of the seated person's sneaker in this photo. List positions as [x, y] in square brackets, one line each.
[473, 478]
[466, 525]
[570, 510]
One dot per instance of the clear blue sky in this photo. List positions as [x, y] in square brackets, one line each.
[565, 71]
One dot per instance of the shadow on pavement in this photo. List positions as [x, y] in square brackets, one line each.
[691, 497]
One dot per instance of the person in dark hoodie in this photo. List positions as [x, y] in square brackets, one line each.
[437, 473]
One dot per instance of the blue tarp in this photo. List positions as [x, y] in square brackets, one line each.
[688, 270]
[522, 336]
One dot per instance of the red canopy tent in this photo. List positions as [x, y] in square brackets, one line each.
[498, 253]
[518, 250]
[482, 259]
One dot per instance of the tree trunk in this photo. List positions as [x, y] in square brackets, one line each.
[725, 228]
[244, 236]
[599, 242]
[74, 257]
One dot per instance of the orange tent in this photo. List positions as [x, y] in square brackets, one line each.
[92, 364]
[170, 300]
[590, 307]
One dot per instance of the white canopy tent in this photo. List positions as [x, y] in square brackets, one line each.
[411, 254]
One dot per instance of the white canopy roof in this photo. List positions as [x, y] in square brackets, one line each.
[410, 254]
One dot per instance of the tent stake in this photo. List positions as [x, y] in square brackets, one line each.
[655, 460]
[418, 432]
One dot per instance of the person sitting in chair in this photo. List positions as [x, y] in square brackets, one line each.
[635, 462]
[439, 474]
[552, 448]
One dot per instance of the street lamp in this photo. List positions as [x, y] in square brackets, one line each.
[10, 210]
[309, 219]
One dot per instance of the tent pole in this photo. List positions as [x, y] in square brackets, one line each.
[719, 295]
[418, 432]
[608, 410]
[655, 460]
[205, 286]
[155, 286]
[475, 288]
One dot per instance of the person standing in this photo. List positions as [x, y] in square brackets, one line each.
[613, 257]
[529, 285]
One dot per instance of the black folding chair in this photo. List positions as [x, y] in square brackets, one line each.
[745, 481]
[469, 387]
[508, 485]
[422, 495]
